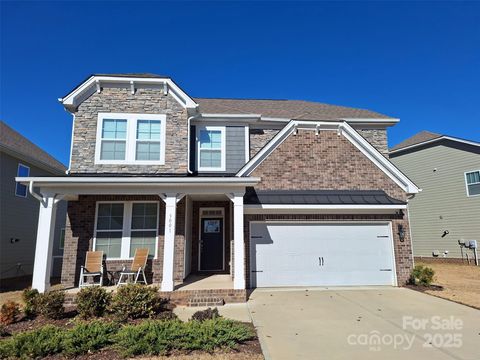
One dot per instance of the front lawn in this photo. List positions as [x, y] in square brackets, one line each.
[458, 282]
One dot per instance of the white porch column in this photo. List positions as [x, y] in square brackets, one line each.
[169, 241]
[238, 242]
[44, 245]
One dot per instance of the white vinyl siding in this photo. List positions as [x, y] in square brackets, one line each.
[211, 148]
[122, 227]
[443, 203]
[473, 183]
[136, 139]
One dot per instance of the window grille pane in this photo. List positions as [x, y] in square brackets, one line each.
[110, 243]
[210, 158]
[143, 239]
[114, 129]
[144, 216]
[110, 217]
[473, 177]
[112, 150]
[148, 130]
[148, 151]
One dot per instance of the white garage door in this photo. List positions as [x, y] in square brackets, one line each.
[313, 254]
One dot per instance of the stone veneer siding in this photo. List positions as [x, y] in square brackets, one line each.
[259, 138]
[79, 233]
[144, 101]
[376, 137]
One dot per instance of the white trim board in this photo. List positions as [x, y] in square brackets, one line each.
[468, 142]
[74, 98]
[343, 129]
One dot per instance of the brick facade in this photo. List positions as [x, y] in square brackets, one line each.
[326, 161]
[144, 101]
[329, 162]
[79, 234]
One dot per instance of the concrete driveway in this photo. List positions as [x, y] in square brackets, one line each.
[368, 323]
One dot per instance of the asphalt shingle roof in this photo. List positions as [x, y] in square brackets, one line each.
[15, 142]
[290, 109]
[418, 138]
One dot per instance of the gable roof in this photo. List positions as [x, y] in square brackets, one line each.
[288, 109]
[94, 83]
[13, 142]
[426, 137]
[344, 129]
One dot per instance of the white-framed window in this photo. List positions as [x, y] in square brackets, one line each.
[123, 226]
[211, 148]
[20, 189]
[472, 181]
[136, 139]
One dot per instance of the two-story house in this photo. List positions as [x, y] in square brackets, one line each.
[19, 210]
[258, 193]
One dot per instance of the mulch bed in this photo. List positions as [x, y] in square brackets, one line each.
[251, 347]
[423, 288]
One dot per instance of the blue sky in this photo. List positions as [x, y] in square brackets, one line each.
[419, 61]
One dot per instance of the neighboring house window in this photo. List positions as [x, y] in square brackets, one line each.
[211, 148]
[62, 239]
[122, 227]
[20, 189]
[130, 139]
[473, 182]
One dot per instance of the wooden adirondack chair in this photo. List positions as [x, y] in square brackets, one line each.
[93, 267]
[138, 268]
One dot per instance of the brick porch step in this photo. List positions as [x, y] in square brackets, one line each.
[205, 301]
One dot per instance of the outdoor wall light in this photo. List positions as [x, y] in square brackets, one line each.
[401, 232]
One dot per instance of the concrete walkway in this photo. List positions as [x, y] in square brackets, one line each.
[369, 323]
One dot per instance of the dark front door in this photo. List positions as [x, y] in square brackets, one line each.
[211, 244]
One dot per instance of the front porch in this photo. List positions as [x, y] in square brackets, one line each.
[197, 246]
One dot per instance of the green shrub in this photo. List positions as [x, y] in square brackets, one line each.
[89, 337]
[160, 337]
[166, 315]
[30, 297]
[92, 301]
[134, 301]
[207, 314]
[422, 275]
[9, 312]
[33, 344]
[50, 304]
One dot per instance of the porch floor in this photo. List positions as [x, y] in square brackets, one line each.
[206, 282]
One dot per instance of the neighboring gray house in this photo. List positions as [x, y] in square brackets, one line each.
[19, 210]
[447, 169]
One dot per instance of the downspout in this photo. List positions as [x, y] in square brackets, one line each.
[410, 197]
[188, 140]
[33, 193]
